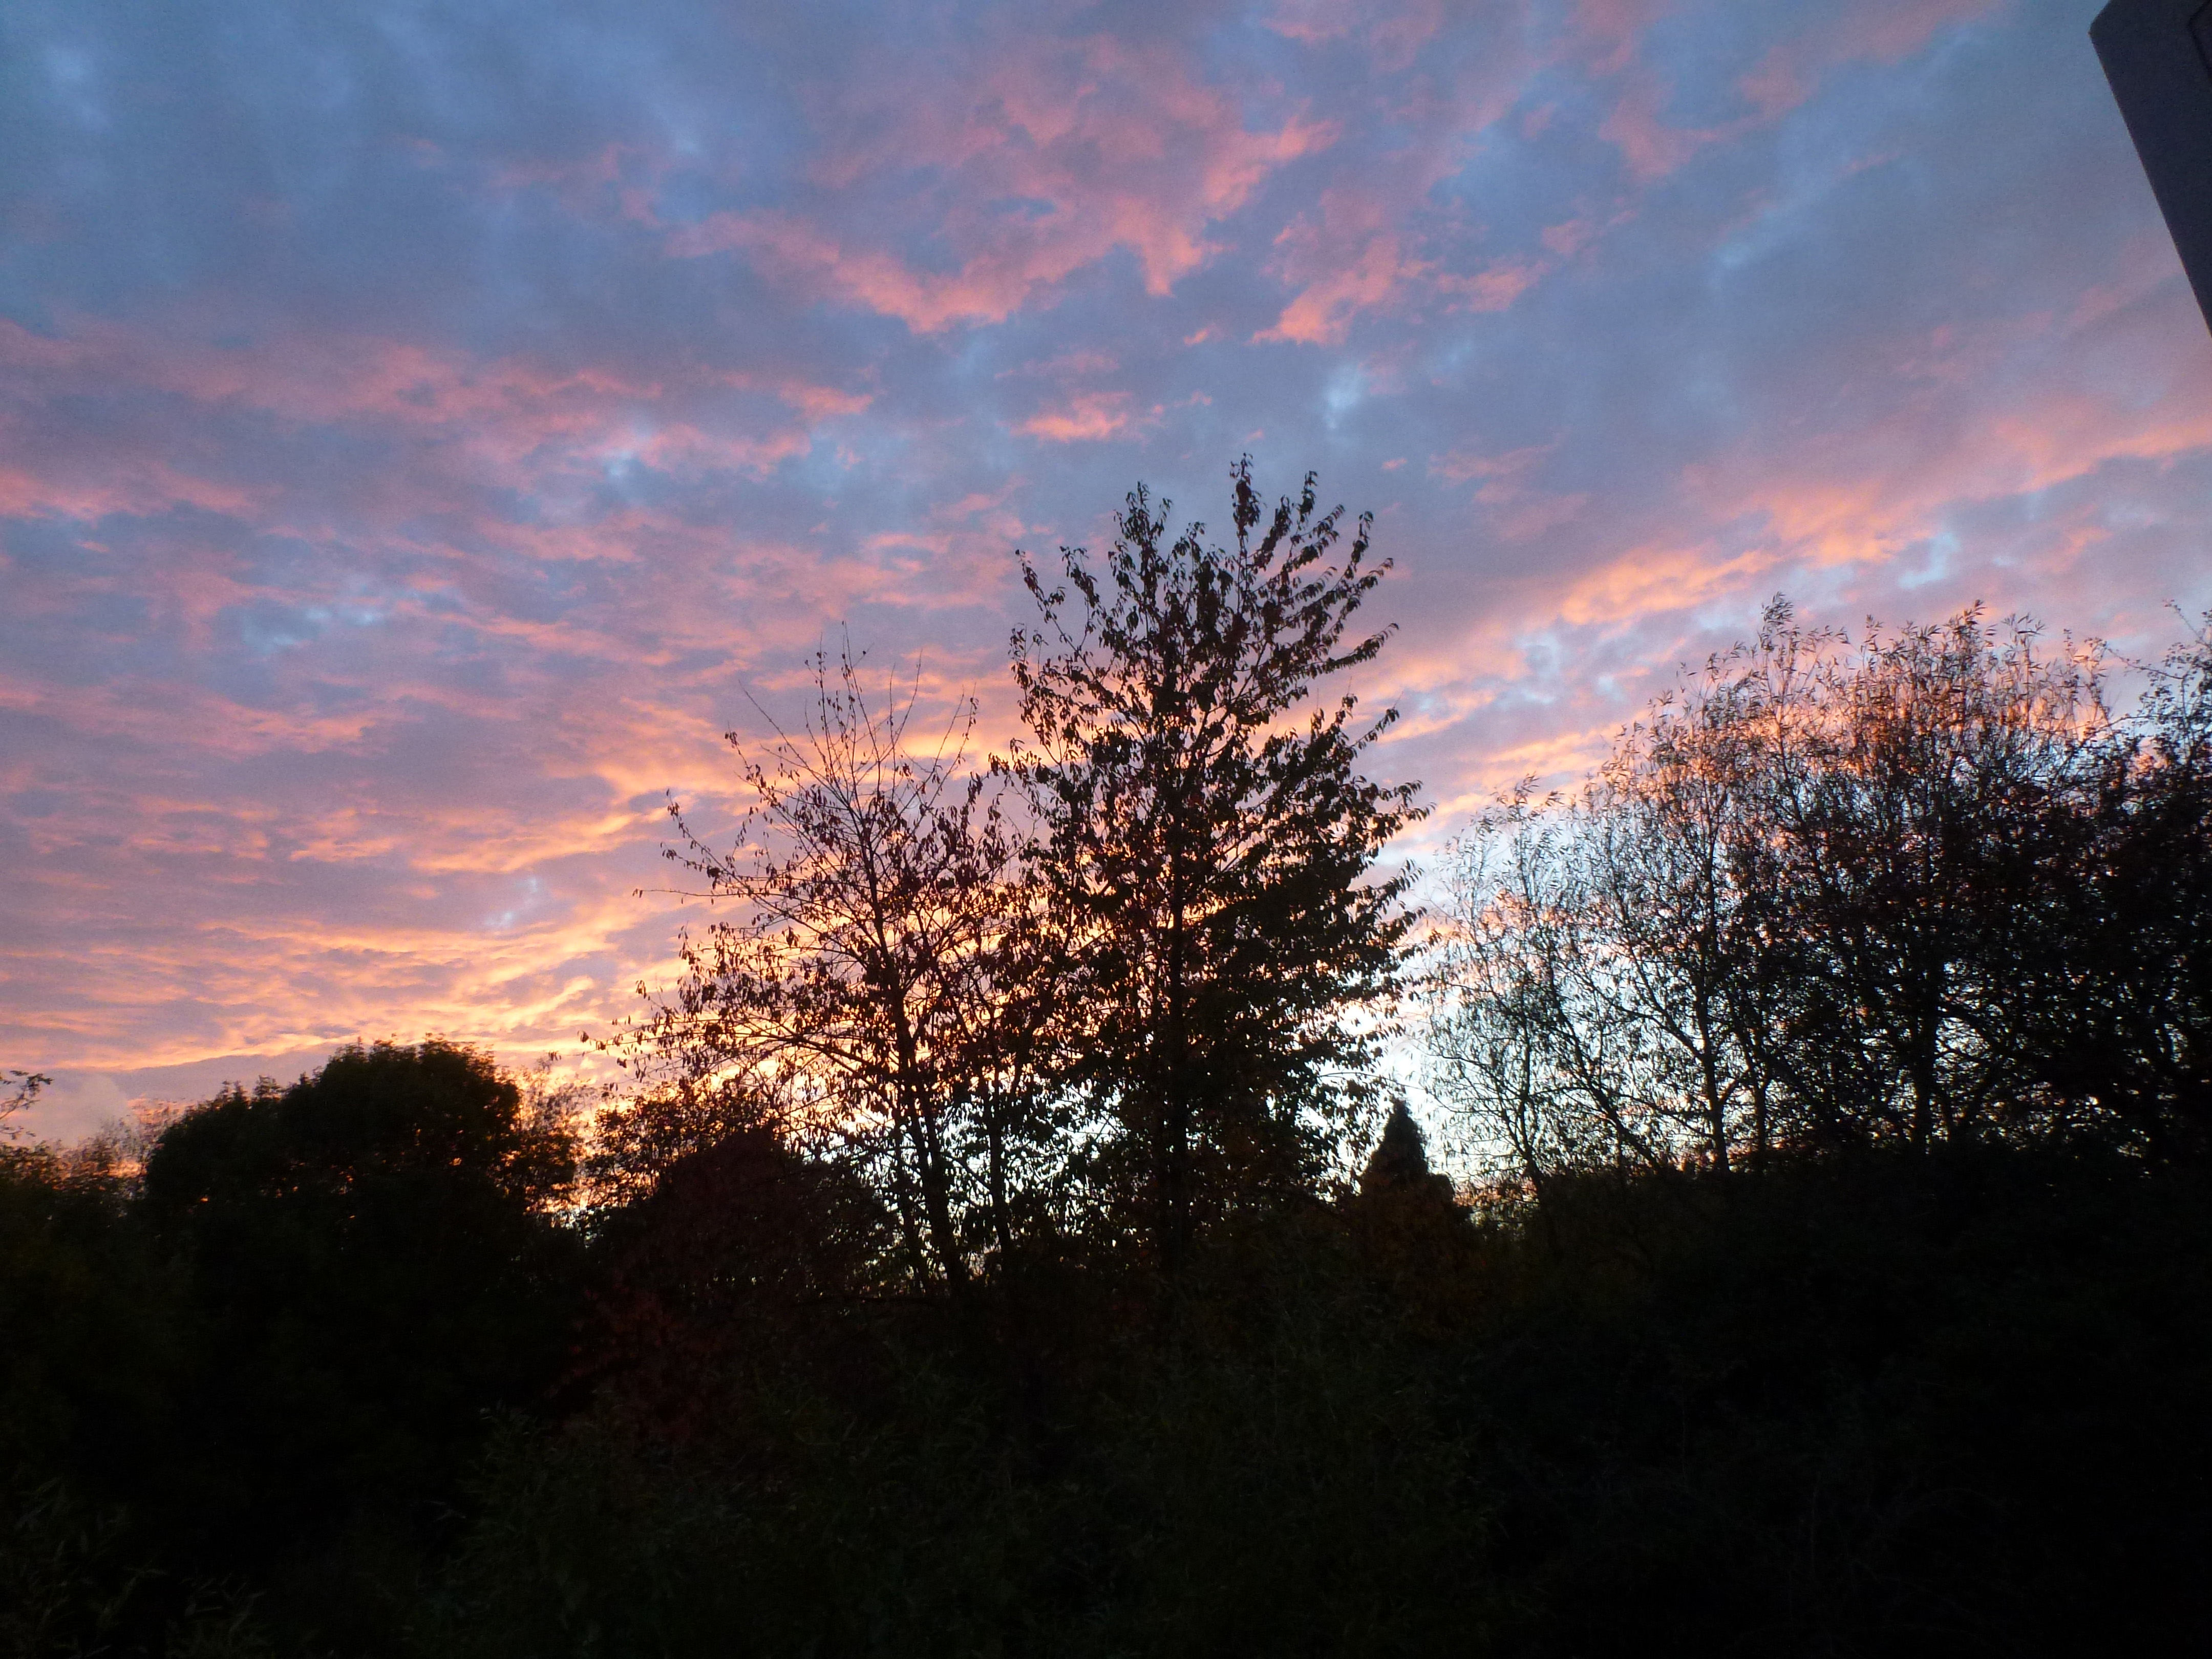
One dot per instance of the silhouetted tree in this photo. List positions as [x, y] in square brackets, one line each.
[1899, 850]
[1816, 894]
[376, 1262]
[1412, 1233]
[19, 1091]
[2110, 1013]
[1400, 1162]
[1673, 961]
[1209, 851]
[874, 988]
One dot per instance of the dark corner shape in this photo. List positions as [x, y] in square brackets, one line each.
[2158, 56]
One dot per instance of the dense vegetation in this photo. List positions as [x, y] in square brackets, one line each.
[1005, 1241]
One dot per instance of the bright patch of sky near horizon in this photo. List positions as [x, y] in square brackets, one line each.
[421, 425]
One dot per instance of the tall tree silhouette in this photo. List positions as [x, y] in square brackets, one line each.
[1209, 849]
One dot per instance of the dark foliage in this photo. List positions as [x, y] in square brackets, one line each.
[1868, 1404]
[373, 1268]
[1872, 1405]
[1032, 1472]
[97, 1342]
[269, 1358]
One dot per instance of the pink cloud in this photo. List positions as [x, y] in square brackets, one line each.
[1382, 238]
[221, 726]
[1503, 472]
[1862, 497]
[274, 983]
[1876, 31]
[317, 378]
[1494, 287]
[630, 174]
[1392, 33]
[1649, 580]
[380, 752]
[1089, 416]
[1518, 511]
[147, 486]
[1114, 145]
[1610, 29]
[1650, 147]
[1325, 307]
[1350, 257]
[474, 422]
[1570, 236]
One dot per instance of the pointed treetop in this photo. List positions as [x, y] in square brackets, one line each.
[1401, 1157]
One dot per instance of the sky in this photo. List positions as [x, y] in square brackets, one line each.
[426, 428]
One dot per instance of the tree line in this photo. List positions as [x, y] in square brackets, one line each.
[1924, 888]
[1003, 1240]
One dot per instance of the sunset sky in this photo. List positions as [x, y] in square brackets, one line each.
[422, 426]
